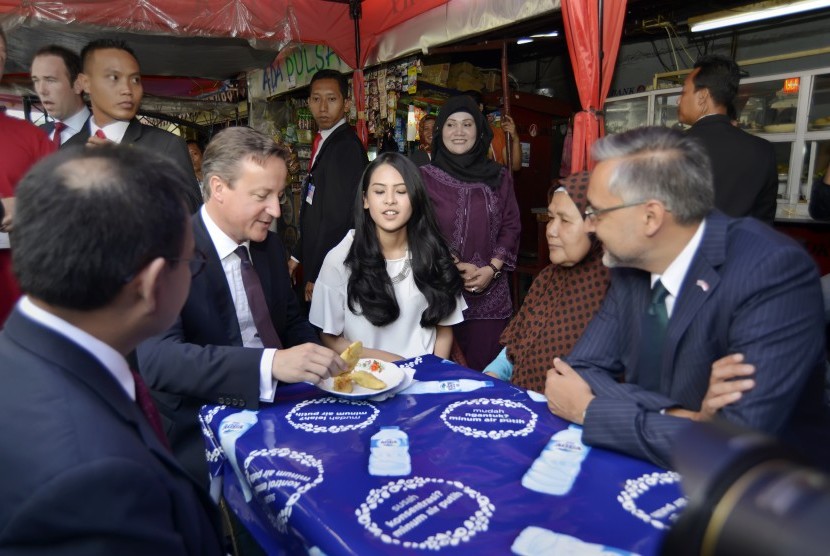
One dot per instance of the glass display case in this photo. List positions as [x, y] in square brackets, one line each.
[792, 111]
[626, 113]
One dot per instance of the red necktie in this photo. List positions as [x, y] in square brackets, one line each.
[56, 138]
[100, 134]
[314, 148]
[148, 408]
[256, 301]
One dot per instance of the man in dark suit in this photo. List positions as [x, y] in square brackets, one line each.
[216, 352]
[55, 75]
[85, 471]
[334, 177]
[112, 78]
[743, 166]
[742, 304]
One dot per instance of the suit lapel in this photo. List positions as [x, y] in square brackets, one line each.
[330, 140]
[133, 133]
[81, 137]
[215, 283]
[701, 281]
[75, 361]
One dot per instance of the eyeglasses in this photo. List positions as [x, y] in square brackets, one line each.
[196, 263]
[592, 214]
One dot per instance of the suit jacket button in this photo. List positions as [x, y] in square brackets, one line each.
[221, 401]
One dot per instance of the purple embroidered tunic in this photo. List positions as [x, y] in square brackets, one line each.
[479, 224]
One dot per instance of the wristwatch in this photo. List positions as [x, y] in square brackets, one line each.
[496, 271]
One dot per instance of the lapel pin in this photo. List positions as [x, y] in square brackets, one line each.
[703, 284]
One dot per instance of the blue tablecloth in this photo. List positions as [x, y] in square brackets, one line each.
[304, 460]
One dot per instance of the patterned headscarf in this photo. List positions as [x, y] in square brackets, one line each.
[472, 166]
[560, 303]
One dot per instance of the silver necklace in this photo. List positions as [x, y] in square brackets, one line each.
[401, 276]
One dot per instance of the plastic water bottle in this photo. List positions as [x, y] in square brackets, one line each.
[230, 429]
[536, 541]
[557, 467]
[389, 454]
[447, 386]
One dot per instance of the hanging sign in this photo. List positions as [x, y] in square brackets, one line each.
[293, 68]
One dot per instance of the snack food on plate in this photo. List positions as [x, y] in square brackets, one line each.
[352, 354]
[343, 383]
[368, 380]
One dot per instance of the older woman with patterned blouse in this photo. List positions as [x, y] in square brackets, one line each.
[563, 298]
[478, 216]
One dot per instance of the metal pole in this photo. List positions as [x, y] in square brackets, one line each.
[355, 13]
[601, 53]
[505, 92]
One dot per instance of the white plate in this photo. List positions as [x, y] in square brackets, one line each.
[389, 373]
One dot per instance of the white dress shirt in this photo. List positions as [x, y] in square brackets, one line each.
[114, 130]
[73, 123]
[672, 278]
[113, 361]
[232, 265]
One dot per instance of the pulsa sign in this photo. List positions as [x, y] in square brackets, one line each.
[294, 68]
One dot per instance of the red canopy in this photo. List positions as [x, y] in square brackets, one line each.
[277, 21]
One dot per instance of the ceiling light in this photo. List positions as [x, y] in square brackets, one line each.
[753, 12]
[524, 40]
[546, 35]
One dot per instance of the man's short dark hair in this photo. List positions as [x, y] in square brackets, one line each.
[87, 220]
[720, 75]
[342, 82]
[103, 44]
[71, 60]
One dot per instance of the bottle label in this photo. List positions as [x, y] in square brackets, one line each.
[450, 385]
[390, 443]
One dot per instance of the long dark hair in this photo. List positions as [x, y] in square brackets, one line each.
[370, 289]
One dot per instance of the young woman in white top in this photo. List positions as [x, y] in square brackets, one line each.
[391, 283]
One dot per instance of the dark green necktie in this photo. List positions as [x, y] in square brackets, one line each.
[655, 322]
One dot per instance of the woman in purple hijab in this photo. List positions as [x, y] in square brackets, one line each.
[478, 216]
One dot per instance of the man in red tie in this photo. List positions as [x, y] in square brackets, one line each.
[112, 78]
[55, 71]
[241, 331]
[21, 145]
[329, 191]
[84, 470]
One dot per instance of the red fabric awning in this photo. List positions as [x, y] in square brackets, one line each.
[581, 19]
